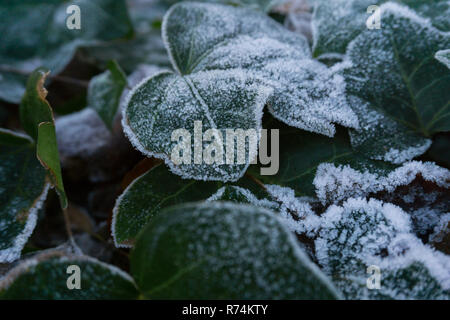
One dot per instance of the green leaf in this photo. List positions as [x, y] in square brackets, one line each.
[381, 137]
[47, 275]
[336, 23]
[104, 92]
[363, 234]
[147, 195]
[224, 77]
[221, 250]
[444, 57]
[394, 72]
[34, 33]
[34, 108]
[47, 153]
[23, 188]
[37, 120]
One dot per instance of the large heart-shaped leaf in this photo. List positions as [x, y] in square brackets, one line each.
[393, 70]
[34, 33]
[23, 188]
[168, 102]
[221, 250]
[48, 276]
[336, 23]
[371, 234]
[224, 77]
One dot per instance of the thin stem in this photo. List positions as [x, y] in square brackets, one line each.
[71, 240]
[77, 82]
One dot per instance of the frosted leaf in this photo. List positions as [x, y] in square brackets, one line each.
[444, 57]
[26, 44]
[306, 93]
[335, 183]
[23, 189]
[335, 23]
[365, 233]
[45, 277]
[224, 250]
[394, 70]
[382, 138]
[167, 102]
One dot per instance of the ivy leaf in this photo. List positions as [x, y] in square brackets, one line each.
[393, 70]
[26, 25]
[46, 277]
[37, 120]
[146, 196]
[382, 138]
[306, 94]
[365, 233]
[224, 77]
[177, 102]
[444, 57]
[104, 92]
[336, 23]
[23, 188]
[221, 250]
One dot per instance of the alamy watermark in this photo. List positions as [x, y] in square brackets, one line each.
[226, 147]
[374, 280]
[73, 21]
[374, 21]
[74, 280]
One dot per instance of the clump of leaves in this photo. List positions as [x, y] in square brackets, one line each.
[356, 188]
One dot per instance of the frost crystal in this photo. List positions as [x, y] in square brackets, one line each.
[372, 233]
[334, 184]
